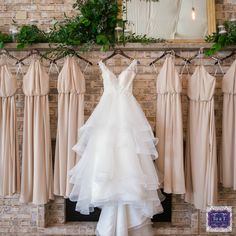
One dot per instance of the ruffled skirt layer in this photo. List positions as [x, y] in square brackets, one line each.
[116, 170]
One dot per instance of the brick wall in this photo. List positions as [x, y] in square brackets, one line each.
[225, 9]
[50, 219]
[42, 10]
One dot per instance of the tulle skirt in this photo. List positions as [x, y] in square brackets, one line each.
[117, 150]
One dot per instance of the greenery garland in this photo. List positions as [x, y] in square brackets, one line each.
[30, 34]
[90, 26]
[4, 38]
[94, 24]
[221, 40]
[141, 39]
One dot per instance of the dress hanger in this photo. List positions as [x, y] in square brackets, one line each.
[224, 58]
[217, 63]
[71, 52]
[118, 51]
[33, 52]
[217, 60]
[6, 53]
[170, 52]
[198, 55]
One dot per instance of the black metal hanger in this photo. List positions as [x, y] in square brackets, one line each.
[33, 52]
[200, 54]
[71, 52]
[216, 59]
[158, 58]
[118, 51]
[193, 57]
[170, 52]
[224, 58]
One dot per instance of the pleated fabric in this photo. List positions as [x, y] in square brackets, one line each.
[169, 128]
[71, 89]
[9, 161]
[228, 157]
[37, 176]
[201, 161]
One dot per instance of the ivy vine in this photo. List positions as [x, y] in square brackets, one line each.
[144, 39]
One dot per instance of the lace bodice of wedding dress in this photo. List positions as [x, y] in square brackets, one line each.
[121, 83]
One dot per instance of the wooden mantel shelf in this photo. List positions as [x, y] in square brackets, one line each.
[179, 46]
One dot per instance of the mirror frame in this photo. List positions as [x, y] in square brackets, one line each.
[211, 21]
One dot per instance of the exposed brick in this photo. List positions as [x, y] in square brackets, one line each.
[30, 218]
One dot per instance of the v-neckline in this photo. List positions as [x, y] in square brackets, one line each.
[113, 74]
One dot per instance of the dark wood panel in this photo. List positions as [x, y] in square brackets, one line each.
[72, 215]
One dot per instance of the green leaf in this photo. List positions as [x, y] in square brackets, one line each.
[1, 44]
[20, 45]
[85, 21]
[101, 39]
[222, 40]
[105, 48]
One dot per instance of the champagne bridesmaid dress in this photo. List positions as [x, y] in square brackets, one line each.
[37, 177]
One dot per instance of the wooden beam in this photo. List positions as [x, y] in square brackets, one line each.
[211, 16]
[119, 2]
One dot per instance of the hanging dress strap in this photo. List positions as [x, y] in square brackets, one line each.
[185, 67]
[19, 69]
[85, 68]
[200, 56]
[2, 61]
[134, 65]
[53, 63]
[172, 54]
[155, 69]
[218, 66]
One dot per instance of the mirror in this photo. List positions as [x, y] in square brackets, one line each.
[170, 19]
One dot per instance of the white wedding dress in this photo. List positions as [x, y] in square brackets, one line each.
[116, 171]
